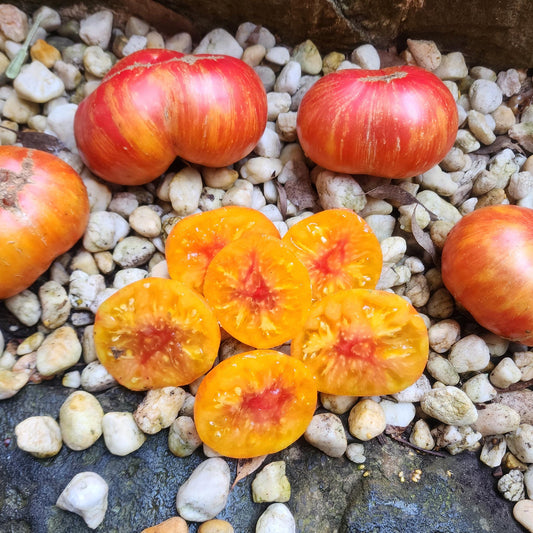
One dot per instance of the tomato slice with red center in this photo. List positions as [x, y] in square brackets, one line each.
[156, 333]
[254, 403]
[196, 239]
[259, 290]
[339, 249]
[363, 342]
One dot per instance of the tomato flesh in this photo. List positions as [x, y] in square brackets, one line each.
[254, 403]
[339, 250]
[259, 290]
[156, 333]
[363, 342]
[196, 239]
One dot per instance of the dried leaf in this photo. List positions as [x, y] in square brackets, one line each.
[40, 141]
[501, 142]
[282, 199]
[423, 239]
[245, 467]
[398, 195]
[301, 193]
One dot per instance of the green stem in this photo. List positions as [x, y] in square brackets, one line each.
[14, 67]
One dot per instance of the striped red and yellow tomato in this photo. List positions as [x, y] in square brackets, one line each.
[156, 105]
[396, 123]
[486, 265]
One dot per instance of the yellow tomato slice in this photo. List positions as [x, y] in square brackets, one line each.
[156, 333]
[363, 342]
[196, 239]
[339, 249]
[254, 403]
[259, 290]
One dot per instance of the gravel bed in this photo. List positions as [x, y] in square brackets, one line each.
[474, 394]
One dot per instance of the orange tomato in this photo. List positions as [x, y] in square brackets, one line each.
[259, 290]
[339, 249]
[363, 342]
[196, 239]
[254, 403]
[156, 333]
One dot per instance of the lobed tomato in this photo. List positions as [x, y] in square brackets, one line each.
[363, 342]
[156, 333]
[196, 239]
[486, 265]
[259, 290]
[254, 403]
[339, 250]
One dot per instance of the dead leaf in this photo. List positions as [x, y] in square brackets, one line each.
[501, 142]
[245, 467]
[301, 193]
[398, 195]
[41, 141]
[282, 199]
[423, 239]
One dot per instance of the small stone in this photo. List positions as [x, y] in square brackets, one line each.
[331, 62]
[267, 77]
[239, 194]
[279, 55]
[477, 123]
[96, 378]
[95, 30]
[96, 61]
[261, 169]
[414, 392]
[69, 74]
[277, 102]
[104, 230]
[439, 181]
[308, 56]
[496, 419]
[253, 55]
[523, 134]
[183, 439]
[511, 486]
[55, 304]
[271, 484]
[336, 403]
[180, 42]
[11, 382]
[442, 370]
[479, 389]
[36, 83]
[277, 518]
[425, 53]
[393, 249]
[466, 141]
[286, 126]
[185, 190]
[71, 380]
[133, 252]
[326, 432]
[355, 452]
[29, 344]
[136, 26]
[13, 23]
[154, 40]
[40, 436]
[61, 123]
[45, 53]
[366, 56]
[134, 44]
[84, 289]
[505, 373]
[449, 405]
[80, 420]
[485, 96]
[205, 492]
[452, 67]
[509, 82]
[366, 420]
[269, 145]
[288, 80]
[145, 221]
[176, 524]
[339, 191]
[121, 434]
[159, 409]
[440, 207]
[25, 306]
[523, 513]
[469, 354]
[59, 351]
[421, 435]
[398, 414]
[493, 451]
[219, 41]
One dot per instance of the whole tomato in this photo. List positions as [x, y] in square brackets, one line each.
[487, 265]
[396, 123]
[44, 210]
[156, 105]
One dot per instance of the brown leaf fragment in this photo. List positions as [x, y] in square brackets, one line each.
[301, 193]
[282, 199]
[501, 142]
[423, 239]
[245, 467]
[397, 196]
[40, 141]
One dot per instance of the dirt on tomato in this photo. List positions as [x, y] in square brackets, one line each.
[254, 403]
[156, 333]
[363, 342]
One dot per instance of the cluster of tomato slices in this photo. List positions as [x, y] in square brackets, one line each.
[231, 272]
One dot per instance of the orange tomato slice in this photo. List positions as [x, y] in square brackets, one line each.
[156, 333]
[339, 249]
[363, 342]
[259, 290]
[196, 239]
[254, 403]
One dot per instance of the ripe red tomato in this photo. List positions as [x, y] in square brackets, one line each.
[44, 210]
[156, 333]
[339, 250]
[259, 290]
[254, 403]
[363, 342]
[487, 263]
[197, 238]
[156, 105]
[397, 122]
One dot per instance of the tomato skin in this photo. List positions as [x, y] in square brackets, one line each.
[487, 260]
[196, 239]
[44, 210]
[395, 123]
[156, 105]
[363, 342]
[254, 403]
[156, 333]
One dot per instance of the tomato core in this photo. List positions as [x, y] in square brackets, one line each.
[255, 288]
[356, 346]
[270, 401]
[156, 338]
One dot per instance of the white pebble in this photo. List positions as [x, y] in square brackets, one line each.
[38, 84]
[279, 55]
[86, 495]
[277, 518]
[219, 41]
[121, 434]
[288, 79]
[355, 452]
[339, 191]
[96, 29]
[271, 484]
[505, 373]
[414, 392]
[261, 169]
[25, 306]
[205, 492]
[269, 145]
[485, 96]
[421, 435]
[60, 122]
[277, 102]
[39, 435]
[159, 409]
[96, 62]
[399, 414]
[479, 389]
[366, 56]
[442, 370]
[183, 439]
[366, 420]
[84, 289]
[11, 382]
[55, 304]
[326, 432]
[496, 419]
[523, 513]
[95, 377]
[59, 351]
[133, 252]
[449, 405]
[184, 191]
[469, 354]
[128, 275]
[104, 230]
[241, 193]
[493, 451]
